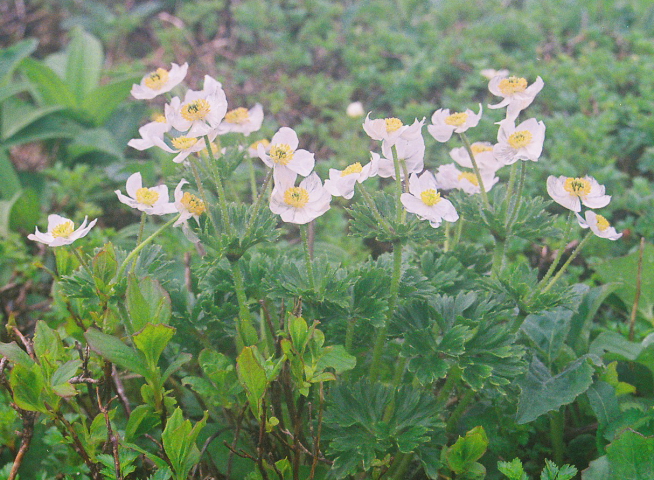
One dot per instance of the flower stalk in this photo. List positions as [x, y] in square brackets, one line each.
[475, 167]
[574, 254]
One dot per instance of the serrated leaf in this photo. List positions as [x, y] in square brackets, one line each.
[631, 456]
[112, 349]
[152, 340]
[147, 301]
[513, 469]
[252, 376]
[336, 357]
[467, 450]
[604, 402]
[141, 421]
[27, 385]
[548, 331]
[552, 472]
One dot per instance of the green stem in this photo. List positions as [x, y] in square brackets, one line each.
[399, 466]
[82, 262]
[257, 203]
[475, 167]
[398, 184]
[222, 198]
[498, 256]
[512, 177]
[203, 193]
[253, 179]
[141, 245]
[380, 340]
[446, 245]
[451, 381]
[557, 426]
[349, 335]
[514, 207]
[246, 330]
[559, 253]
[458, 411]
[307, 257]
[144, 217]
[568, 262]
[373, 208]
[459, 231]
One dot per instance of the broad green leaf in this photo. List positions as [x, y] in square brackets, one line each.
[12, 89]
[147, 302]
[27, 385]
[580, 324]
[10, 185]
[299, 331]
[25, 211]
[178, 439]
[94, 140]
[597, 470]
[181, 360]
[16, 354]
[141, 421]
[112, 349]
[50, 87]
[631, 457]
[46, 128]
[604, 402]
[84, 63]
[10, 57]
[105, 265]
[47, 344]
[65, 372]
[252, 376]
[614, 343]
[467, 450]
[336, 357]
[17, 115]
[542, 392]
[610, 376]
[152, 341]
[548, 331]
[100, 103]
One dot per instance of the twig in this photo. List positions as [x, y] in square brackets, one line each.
[28, 345]
[120, 390]
[232, 448]
[26, 434]
[262, 430]
[111, 437]
[316, 442]
[639, 278]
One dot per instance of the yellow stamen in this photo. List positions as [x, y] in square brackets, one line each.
[480, 148]
[602, 223]
[63, 230]
[577, 186]
[193, 204]
[184, 143]
[159, 118]
[511, 85]
[296, 197]
[354, 168]
[157, 79]
[147, 196]
[214, 150]
[520, 139]
[430, 197]
[196, 110]
[281, 153]
[238, 115]
[456, 119]
[263, 142]
[471, 177]
[393, 124]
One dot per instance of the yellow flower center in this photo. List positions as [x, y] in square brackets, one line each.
[430, 197]
[196, 110]
[602, 223]
[577, 186]
[159, 118]
[471, 177]
[456, 119]
[184, 143]
[238, 115]
[146, 196]
[511, 85]
[63, 230]
[263, 142]
[520, 139]
[214, 150]
[281, 153]
[479, 148]
[193, 204]
[296, 197]
[157, 79]
[393, 124]
[354, 168]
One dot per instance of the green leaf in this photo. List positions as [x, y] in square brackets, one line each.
[12, 89]
[604, 402]
[299, 331]
[336, 357]
[178, 439]
[95, 140]
[84, 63]
[10, 57]
[27, 385]
[101, 102]
[112, 349]
[65, 372]
[552, 472]
[152, 341]
[26, 211]
[597, 470]
[105, 265]
[252, 376]
[17, 115]
[147, 302]
[580, 324]
[16, 354]
[467, 450]
[51, 88]
[631, 457]
[10, 185]
[615, 343]
[548, 331]
[181, 360]
[513, 469]
[46, 128]
[141, 421]
[47, 344]
[542, 392]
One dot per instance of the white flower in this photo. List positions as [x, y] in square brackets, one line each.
[425, 201]
[392, 129]
[341, 182]
[524, 142]
[158, 82]
[283, 154]
[599, 225]
[449, 177]
[242, 120]
[572, 192]
[201, 112]
[411, 152]
[483, 152]
[61, 231]
[515, 92]
[489, 73]
[299, 204]
[183, 146]
[253, 149]
[153, 201]
[149, 131]
[445, 124]
[355, 110]
[188, 205]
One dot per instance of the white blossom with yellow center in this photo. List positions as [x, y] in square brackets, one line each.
[571, 192]
[283, 154]
[425, 200]
[448, 177]
[149, 131]
[183, 145]
[61, 231]
[242, 120]
[159, 81]
[201, 111]
[341, 182]
[298, 204]
[253, 149]
[599, 225]
[444, 123]
[516, 93]
[524, 142]
[189, 206]
[391, 129]
[153, 200]
[483, 152]
[410, 153]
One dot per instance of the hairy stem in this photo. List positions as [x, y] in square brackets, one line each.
[568, 262]
[308, 262]
[559, 253]
[475, 167]
[257, 203]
